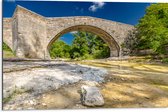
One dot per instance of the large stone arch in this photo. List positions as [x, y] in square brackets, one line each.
[113, 45]
[113, 33]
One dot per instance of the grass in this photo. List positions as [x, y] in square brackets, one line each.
[7, 51]
[15, 92]
[8, 54]
[162, 87]
[148, 58]
[7, 99]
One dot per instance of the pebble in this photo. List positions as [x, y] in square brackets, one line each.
[30, 108]
[44, 104]
[122, 79]
[19, 108]
[31, 102]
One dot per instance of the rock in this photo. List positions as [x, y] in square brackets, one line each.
[30, 108]
[108, 80]
[91, 96]
[91, 83]
[78, 106]
[44, 104]
[32, 102]
[147, 97]
[122, 79]
[19, 108]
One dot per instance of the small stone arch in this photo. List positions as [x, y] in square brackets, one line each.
[107, 38]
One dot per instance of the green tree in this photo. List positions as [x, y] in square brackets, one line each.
[84, 46]
[153, 28]
[80, 46]
[88, 45]
[59, 49]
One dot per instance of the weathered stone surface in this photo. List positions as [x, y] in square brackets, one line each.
[91, 83]
[30, 35]
[91, 96]
[7, 31]
[53, 76]
[28, 85]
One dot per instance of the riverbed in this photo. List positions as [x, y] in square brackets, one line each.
[124, 84]
[133, 85]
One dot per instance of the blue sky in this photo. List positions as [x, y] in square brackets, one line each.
[128, 13]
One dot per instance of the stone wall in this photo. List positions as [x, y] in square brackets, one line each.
[7, 32]
[31, 34]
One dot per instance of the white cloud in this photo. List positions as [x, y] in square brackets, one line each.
[73, 32]
[96, 5]
[62, 37]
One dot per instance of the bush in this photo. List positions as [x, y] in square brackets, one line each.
[165, 60]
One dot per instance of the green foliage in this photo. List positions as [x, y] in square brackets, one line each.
[123, 45]
[84, 46]
[165, 60]
[60, 49]
[5, 47]
[89, 46]
[7, 52]
[153, 28]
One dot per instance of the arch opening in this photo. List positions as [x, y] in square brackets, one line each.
[106, 37]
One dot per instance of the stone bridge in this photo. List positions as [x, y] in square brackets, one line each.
[30, 35]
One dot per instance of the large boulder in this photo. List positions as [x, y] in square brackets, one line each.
[91, 96]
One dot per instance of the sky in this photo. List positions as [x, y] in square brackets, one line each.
[128, 13]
